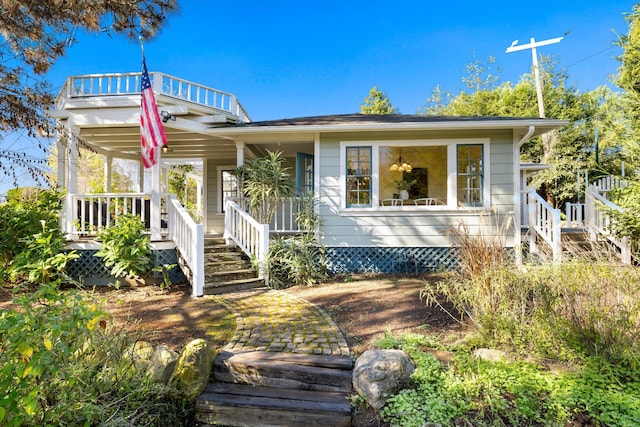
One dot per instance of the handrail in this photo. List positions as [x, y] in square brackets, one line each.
[575, 214]
[284, 218]
[544, 221]
[250, 236]
[189, 239]
[89, 214]
[598, 221]
[110, 84]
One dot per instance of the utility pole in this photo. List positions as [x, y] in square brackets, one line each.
[536, 70]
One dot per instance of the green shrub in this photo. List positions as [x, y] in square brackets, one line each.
[21, 217]
[125, 248]
[300, 259]
[481, 393]
[62, 363]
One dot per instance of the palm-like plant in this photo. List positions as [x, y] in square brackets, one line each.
[264, 181]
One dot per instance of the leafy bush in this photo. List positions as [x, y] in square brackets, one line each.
[298, 260]
[482, 393]
[62, 363]
[21, 216]
[125, 248]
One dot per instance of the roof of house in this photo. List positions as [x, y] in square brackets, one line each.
[346, 119]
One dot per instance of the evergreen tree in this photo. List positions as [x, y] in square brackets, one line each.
[377, 103]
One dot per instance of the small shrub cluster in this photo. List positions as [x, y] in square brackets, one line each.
[482, 393]
[125, 248]
[298, 260]
[62, 363]
[21, 216]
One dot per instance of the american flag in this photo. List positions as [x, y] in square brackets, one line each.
[151, 130]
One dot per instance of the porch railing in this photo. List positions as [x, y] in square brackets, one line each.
[163, 84]
[89, 214]
[284, 219]
[250, 236]
[189, 239]
[574, 214]
[598, 221]
[544, 221]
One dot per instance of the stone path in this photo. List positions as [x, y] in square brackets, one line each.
[270, 320]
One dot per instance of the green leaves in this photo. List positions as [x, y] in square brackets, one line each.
[377, 103]
[125, 248]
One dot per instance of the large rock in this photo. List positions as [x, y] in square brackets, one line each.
[378, 374]
[162, 364]
[193, 368]
[140, 355]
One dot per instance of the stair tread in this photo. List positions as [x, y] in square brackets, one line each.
[246, 394]
[319, 360]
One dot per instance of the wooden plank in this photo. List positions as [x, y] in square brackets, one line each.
[282, 374]
[337, 362]
[249, 417]
[249, 390]
[289, 403]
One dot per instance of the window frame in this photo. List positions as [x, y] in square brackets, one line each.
[452, 198]
[358, 175]
[219, 172]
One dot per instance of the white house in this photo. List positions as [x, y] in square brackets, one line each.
[462, 170]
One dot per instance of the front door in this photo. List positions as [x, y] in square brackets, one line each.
[304, 174]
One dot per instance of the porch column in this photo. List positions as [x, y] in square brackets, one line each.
[72, 181]
[140, 188]
[62, 161]
[108, 164]
[239, 161]
[155, 199]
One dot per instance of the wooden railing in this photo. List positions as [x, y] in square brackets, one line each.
[574, 214]
[250, 236]
[89, 214]
[284, 219]
[163, 84]
[544, 221]
[598, 221]
[189, 239]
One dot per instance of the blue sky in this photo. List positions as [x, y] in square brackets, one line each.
[294, 58]
[300, 58]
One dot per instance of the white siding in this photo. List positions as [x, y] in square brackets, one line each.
[409, 227]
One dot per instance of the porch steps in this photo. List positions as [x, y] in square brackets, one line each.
[260, 388]
[227, 269]
[576, 244]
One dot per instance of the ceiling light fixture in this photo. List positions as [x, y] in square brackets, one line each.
[400, 165]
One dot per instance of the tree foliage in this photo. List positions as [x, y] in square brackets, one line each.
[36, 33]
[570, 149]
[377, 103]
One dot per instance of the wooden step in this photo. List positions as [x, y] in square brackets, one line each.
[229, 286]
[231, 265]
[227, 276]
[247, 405]
[285, 370]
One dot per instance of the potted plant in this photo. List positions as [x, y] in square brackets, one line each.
[404, 186]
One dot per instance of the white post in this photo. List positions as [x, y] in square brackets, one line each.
[72, 181]
[556, 239]
[140, 177]
[532, 204]
[155, 199]
[108, 164]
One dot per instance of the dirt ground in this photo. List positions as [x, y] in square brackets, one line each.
[364, 307]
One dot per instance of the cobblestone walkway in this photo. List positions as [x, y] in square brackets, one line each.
[270, 320]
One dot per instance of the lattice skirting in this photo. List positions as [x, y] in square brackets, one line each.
[390, 260]
[90, 269]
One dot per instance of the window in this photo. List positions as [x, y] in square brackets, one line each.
[415, 175]
[229, 186]
[358, 176]
[470, 175]
[421, 171]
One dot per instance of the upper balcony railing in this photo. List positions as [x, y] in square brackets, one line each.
[129, 84]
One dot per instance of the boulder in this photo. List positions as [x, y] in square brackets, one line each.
[140, 355]
[193, 368]
[490, 355]
[162, 364]
[378, 374]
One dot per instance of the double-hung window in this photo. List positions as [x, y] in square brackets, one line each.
[359, 176]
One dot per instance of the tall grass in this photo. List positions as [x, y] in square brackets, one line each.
[576, 309]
